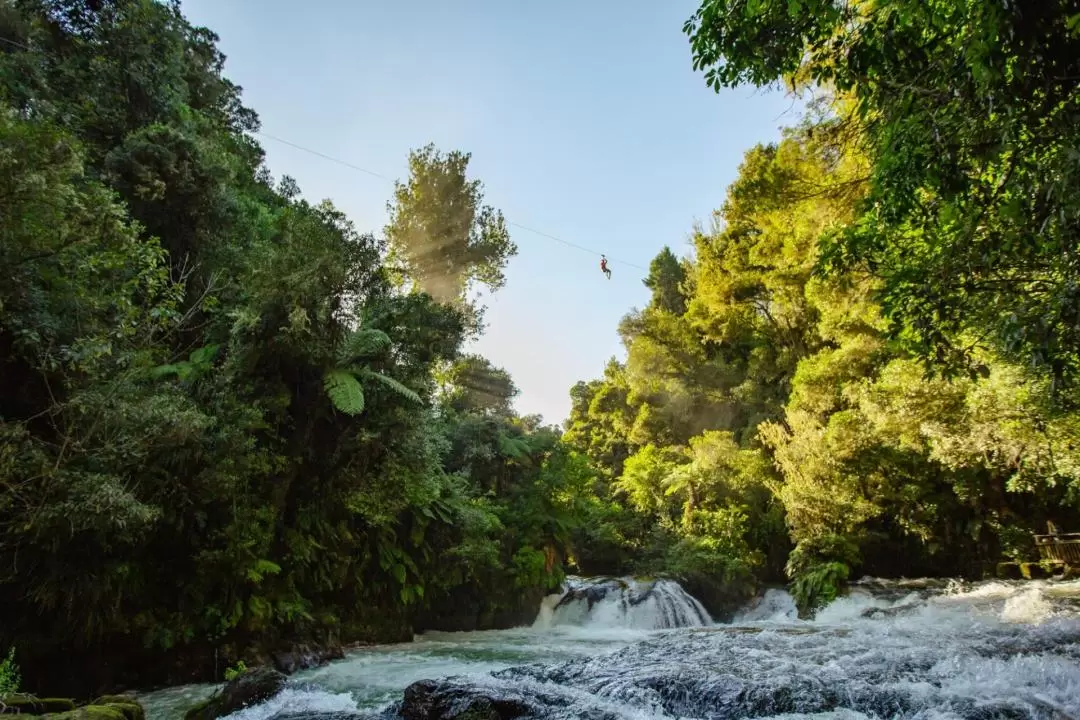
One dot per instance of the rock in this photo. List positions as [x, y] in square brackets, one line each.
[877, 612]
[21, 704]
[432, 700]
[250, 687]
[1032, 571]
[127, 705]
[304, 656]
[114, 707]
[1008, 571]
[1053, 568]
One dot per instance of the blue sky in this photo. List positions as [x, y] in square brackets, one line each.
[585, 121]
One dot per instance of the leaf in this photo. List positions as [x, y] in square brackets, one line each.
[170, 369]
[513, 447]
[363, 344]
[1073, 24]
[344, 391]
[399, 573]
[391, 383]
[204, 354]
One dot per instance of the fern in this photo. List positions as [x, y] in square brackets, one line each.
[344, 391]
[10, 678]
[513, 447]
[818, 586]
[362, 344]
[391, 383]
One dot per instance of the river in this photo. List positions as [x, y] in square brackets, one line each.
[920, 649]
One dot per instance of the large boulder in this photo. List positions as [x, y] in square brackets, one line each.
[502, 698]
[250, 687]
[435, 700]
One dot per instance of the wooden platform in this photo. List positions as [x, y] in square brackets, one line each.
[1060, 547]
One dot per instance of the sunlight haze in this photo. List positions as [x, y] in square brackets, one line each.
[585, 121]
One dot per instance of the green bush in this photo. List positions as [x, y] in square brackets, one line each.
[818, 586]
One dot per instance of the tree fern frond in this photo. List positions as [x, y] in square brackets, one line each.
[391, 383]
[344, 391]
[514, 447]
[366, 343]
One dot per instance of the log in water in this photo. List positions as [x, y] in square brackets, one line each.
[623, 648]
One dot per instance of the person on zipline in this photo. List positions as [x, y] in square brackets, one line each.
[604, 267]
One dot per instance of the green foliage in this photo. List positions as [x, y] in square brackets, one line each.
[767, 407]
[227, 417]
[442, 232]
[818, 585]
[344, 391]
[968, 113]
[231, 673]
[10, 677]
[223, 421]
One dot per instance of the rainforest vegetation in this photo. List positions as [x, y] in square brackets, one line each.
[231, 421]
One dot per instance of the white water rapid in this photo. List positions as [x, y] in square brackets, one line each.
[619, 648]
[627, 603]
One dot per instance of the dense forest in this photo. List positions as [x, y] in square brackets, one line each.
[232, 423]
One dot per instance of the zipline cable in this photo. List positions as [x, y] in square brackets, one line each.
[372, 173]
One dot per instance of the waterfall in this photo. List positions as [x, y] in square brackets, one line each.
[632, 603]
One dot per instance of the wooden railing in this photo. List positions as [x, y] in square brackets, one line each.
[1063, 547]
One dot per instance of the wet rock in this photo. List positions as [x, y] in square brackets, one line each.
[895, 611]
[432, 700]
[250, 687]
[304, 656]
[593, 592]
[721, 599]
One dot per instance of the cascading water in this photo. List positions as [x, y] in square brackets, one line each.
[622, 603]
[918, 650]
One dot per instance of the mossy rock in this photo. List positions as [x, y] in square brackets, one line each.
[27, 705]
[113, 707]
[118, 711]
[129, 707]
[1053, 567]
[1008, 571]
[198, 711]
[251, 687]
[1032, 571]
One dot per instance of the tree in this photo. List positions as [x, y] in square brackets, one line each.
[473, 383]
[970, 115]
[665, 279]
[441, 231]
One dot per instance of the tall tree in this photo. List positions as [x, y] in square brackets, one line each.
[970, 113]
[442, 231]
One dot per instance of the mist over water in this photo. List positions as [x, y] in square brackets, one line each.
[623, 648]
